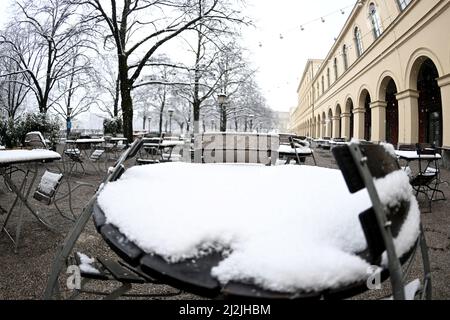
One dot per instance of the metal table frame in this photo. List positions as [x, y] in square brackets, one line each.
[22, 193]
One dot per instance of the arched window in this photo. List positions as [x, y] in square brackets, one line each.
[403, 4]
[375, 20]
[328, 77]
[344, 56]
[336, 74]
[323, 84]
[358, 42]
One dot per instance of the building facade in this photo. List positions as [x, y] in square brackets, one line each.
[386, 78]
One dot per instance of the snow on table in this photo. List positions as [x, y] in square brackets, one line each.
[19, 156]
[284, 228]
[289, 150]
[413, 155]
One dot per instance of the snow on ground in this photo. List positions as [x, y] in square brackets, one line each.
[284, 228]
[86, 264]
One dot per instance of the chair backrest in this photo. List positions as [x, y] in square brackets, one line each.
[407, 147]
[97, 154]
[380, 164]
[35, 140]
[47, 187]
[425, 149]
[237, 148]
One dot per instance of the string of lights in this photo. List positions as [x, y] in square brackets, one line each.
[323, 19]
[303, 26]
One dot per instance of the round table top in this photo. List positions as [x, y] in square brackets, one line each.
[283, 228]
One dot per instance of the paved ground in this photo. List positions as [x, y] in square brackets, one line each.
[24, 275]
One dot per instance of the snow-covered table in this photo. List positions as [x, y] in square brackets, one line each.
[280, 228]
[30, 159]
[413, 156]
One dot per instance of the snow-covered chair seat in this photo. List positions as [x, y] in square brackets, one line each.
[297, 150]
[96, 155]
[47, 189]
[394, 218]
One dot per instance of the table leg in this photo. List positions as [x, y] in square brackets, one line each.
[26, 203]
[4, 173]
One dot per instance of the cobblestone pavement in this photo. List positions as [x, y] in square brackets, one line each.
[24, 275]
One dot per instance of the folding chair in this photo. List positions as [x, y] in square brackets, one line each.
[428, 176]
[47, 190]
[35, 140]
[75, 156]
[299, 156]
[360, 164]
[105, 269]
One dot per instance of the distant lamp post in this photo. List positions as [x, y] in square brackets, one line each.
[170, 111]
[222, 99]
[149, 124]
[251, 117]
[69, 121]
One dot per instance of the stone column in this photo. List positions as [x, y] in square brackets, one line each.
[346, 126]
[359, 116]
[324, 129]
[444, 83]
[336, 126]
[408, 115]
[378, 109]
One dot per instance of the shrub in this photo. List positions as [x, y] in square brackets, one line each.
[13, 132]
[113, 126]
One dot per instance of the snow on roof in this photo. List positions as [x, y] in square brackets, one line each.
[285, 228]
[17, 156]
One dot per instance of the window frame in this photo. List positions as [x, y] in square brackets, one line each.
[403, 4]
[375, 20]
[358, 42]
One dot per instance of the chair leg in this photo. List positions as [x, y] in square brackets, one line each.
[19, 228]
[427, 286]
[124, 288]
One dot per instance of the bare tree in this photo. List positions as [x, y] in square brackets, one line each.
[13, 89]
[44, 41]
[107, 82]
[77, 92]
[163, 20]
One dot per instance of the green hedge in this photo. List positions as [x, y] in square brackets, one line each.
[12, 133]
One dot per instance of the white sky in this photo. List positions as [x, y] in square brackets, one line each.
[281, 61]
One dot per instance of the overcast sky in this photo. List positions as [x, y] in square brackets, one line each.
[281, 61]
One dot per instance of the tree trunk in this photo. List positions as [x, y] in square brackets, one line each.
[196, 108]
[116, 98]
[223, 118]
[161, 113]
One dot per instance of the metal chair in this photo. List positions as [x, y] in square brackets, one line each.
[105, 269]
[359, 164]
[35, 140]
[48, 188]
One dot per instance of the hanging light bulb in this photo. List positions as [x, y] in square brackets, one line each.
[302, 28]
[260, 45]
[281, 37]
[322, 19]
[342, 11]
